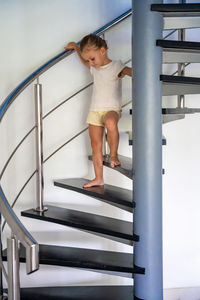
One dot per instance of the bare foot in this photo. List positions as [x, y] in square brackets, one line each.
[114, 161]
[94, 182]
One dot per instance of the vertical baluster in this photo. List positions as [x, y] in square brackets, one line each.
[13, 269]
[181, 66]
[39, 147]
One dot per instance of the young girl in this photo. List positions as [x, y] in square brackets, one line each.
[105, 109]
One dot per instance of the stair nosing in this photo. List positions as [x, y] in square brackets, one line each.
[180, 79]
[181, 45]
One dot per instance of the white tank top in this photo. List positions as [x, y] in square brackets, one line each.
[107, 90]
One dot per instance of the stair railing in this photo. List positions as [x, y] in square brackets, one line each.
[181, 66]
[18, 231]
[38, 127]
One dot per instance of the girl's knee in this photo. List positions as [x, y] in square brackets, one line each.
[111, 124]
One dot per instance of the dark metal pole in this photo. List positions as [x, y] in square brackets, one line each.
[147, 149]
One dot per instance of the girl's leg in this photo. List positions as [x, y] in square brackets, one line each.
[96, 136]
[111, 120]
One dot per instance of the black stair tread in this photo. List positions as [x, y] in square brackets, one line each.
[181, 110]
[112, 194]
[178, 110]
[85, 221]
[180, 79]
[177, 9]
[178, 44]
[84, 258]
[78, 293]
[126, 167]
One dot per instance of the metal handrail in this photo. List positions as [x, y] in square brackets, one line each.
[19, 193]
[13, 95]
[32, 247]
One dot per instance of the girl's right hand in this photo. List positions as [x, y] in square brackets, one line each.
[71, 46]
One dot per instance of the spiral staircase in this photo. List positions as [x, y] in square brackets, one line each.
[180, 16]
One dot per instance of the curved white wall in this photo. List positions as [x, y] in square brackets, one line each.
[32, 32]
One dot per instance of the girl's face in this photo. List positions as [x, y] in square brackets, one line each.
[95, 57]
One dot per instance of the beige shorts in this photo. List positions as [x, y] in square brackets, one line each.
[97, 117]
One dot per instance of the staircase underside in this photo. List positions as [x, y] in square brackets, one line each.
[78, 293]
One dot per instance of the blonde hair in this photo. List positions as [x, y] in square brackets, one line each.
[92, 40]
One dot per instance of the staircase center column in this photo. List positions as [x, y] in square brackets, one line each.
[147, 149]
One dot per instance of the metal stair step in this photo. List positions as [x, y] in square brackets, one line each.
[180, 85]
[187, 9]
[115, 292]
[126, 167]
[177, 16]
[180, 51]
[177, 110]
[115, 263]
[110, 194]
[182, 45]
[114, 229]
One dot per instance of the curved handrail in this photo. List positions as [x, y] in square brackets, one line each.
[13, 95]
[32, 247]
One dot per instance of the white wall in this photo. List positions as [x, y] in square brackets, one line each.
[32, 32]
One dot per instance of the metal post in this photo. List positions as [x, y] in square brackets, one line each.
[13, 269]
[1, 271]
[181, 66]
[105, 144]
[147, 149]
[39, 146]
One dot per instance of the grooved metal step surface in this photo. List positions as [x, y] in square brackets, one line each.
[111, 228]
[179, 51]
[180, 85]
[78, 293]
[116, 263]
[111, 194]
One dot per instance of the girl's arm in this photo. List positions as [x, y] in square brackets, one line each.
[125, 71]
[74, 46]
